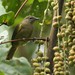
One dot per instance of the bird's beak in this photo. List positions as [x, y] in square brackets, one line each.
[36, 18]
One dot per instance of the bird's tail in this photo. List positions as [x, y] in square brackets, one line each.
[11, 52]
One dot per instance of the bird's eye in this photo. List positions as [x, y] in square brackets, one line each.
[31, 18]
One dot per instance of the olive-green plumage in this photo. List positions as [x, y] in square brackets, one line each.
[23, 30]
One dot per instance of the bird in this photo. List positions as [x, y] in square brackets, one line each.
[23, 30]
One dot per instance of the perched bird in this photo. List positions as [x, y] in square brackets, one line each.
[23, 30]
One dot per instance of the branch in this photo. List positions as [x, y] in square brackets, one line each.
[23, 39]
[53, 37]
[20, 8]
[52, 43]
[61, 2]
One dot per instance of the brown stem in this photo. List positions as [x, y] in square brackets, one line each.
[23, 39]
[53, 37]
[20, 8]
[52, 43]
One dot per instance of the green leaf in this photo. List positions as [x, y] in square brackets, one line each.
[11, 5]
[10, 18]
[42, 0]
[1, 73]
[16, 66]
[5, 35]
[7, 18]
[38, 8]
[2, 9]
[30, 1]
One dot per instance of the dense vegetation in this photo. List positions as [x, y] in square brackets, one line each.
[54, 53]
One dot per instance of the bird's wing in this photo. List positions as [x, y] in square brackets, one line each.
[16, 30]
[22, 31]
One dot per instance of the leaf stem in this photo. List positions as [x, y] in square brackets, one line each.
[20, 8]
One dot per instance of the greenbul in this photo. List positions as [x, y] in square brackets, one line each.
[23, 30]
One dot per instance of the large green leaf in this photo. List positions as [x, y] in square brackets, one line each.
[11, 5]
[16, 66]
[2, 9]
[7, 18]
[5, 35]
[1, 73]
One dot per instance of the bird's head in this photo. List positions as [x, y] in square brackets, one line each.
[31, 19]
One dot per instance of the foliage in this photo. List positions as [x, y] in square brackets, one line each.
[44, 10]
[15, 67]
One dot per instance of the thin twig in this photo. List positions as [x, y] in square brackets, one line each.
[23, 39]
[20, 8]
